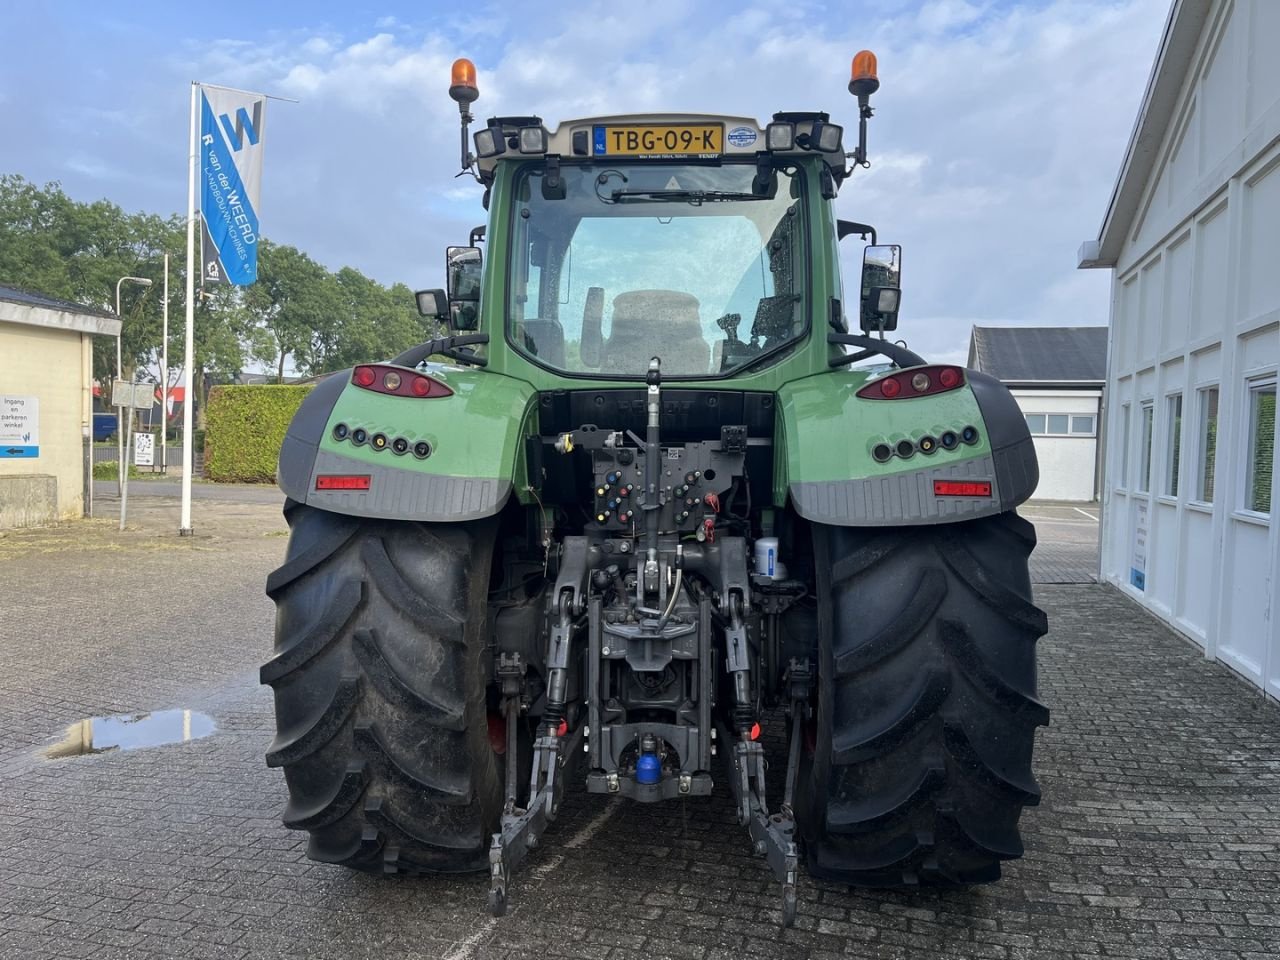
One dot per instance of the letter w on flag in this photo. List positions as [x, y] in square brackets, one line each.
[236, 132]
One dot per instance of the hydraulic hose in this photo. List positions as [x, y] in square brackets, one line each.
[653, 474]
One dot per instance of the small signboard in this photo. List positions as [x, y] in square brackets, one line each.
[1138, 565]
[144, 449]
[19, 426]
[140, 396]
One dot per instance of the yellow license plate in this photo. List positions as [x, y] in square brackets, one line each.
[647, 140]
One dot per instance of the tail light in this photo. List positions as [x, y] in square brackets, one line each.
[397, 382]
[916, 382]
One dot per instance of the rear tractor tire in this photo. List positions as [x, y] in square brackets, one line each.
[927, 704]
[379, 686]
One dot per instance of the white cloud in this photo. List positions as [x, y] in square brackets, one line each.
[998, 133]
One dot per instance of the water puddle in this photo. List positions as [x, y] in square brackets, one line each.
[131, 732]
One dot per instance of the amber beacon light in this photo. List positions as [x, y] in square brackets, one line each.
[462, 81]
[863, 80]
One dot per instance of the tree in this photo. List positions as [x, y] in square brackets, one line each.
[297, 315]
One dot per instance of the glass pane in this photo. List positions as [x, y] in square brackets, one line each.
[1144, 468]
[1082, 425]
[1208, 443]
[682, 260]
[1124, 449]
[1262, 446]
[1035, 422]
[1057, 423]
[1173, 444]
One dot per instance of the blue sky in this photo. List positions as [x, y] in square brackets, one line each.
[999, 131]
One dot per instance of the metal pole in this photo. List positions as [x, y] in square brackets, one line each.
[88, 466]
[124, 488]
[188, 399]
[119, 412]
[119, 375]
[164, 376]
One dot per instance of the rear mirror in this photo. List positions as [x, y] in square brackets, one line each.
[464, 315]
[432, 304]
[881, 287]
[462, 272]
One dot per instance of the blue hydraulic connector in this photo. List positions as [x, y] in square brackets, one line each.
[648, 768]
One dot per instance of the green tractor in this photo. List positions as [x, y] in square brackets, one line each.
[641, 502]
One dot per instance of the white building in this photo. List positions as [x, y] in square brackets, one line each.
[46, 404]
[1193, 236]
[1056, 374]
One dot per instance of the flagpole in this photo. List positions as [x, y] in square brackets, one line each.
[188, 397]
[164, 377]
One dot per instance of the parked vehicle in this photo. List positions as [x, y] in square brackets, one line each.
[644, 505]
[104, 426]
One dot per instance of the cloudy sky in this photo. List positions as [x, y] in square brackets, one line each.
[1000, 124]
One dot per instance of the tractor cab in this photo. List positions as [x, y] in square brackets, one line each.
[705, 239]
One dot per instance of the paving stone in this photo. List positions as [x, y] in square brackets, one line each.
[1158, 835]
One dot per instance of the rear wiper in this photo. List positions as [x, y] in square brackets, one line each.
[695, 197]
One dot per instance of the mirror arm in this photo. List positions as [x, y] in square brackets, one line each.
[444, 345]
[871, 346]
[846, 227]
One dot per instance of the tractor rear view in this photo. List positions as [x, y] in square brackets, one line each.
[650, 492]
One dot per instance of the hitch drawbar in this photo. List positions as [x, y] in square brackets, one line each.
[772, 835]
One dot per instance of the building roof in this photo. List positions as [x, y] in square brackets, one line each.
[40, 310]
[1044, 355]
[1173, 60]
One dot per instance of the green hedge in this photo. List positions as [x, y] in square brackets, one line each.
[106, 470]
[244, 427]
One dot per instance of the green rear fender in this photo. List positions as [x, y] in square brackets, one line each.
[475, 438]
[827, 434]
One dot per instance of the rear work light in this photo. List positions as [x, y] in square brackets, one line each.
[397, 382]
[962, 488]
[342, 481]
[916, 382]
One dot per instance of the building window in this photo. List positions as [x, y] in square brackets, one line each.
[1060, 425]
[1262, 445]
[1124, 448]
[1144, 465]
[1173, 442]
[1208, 404]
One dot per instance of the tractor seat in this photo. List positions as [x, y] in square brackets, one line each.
[656, 323]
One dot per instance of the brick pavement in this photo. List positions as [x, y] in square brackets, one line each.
[1159, 834]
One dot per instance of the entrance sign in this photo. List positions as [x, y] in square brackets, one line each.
[19, 426]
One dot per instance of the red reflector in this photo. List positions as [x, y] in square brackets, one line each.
[563, 728]
[962, 488]
[339, 481]
[755, 731]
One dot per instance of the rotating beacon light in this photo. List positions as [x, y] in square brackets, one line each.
[463, 90]
[863, 82]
